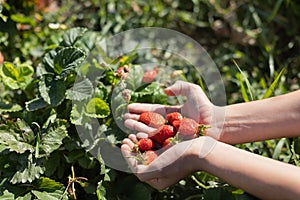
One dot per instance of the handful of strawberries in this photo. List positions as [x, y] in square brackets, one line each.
[170, 130]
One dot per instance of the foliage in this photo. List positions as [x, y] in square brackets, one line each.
[47, 68]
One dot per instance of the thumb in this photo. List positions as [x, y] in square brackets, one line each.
[179, 88]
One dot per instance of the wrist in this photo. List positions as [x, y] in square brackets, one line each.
[200, 149]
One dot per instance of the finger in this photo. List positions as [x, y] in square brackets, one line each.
[138, 126]
[158, 108]
[130, 157]
[132, 116]
[180, 88]
[133, 138]
[128, 142]
[141, 135]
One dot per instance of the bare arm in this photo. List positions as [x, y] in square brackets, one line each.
[258, 175]
[275, 117]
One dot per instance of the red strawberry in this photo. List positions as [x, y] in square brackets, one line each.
[176, 124]
[171, 117]
[150, 75]
[188, 127]
[168, 142]
[149, 156]
[145, 144]
[152, 119]
[159, 135]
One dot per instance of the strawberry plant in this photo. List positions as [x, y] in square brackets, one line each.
[58, 101]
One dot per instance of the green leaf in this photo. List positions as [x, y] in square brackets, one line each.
[52, 138]
[13, 140]
[22, 19]
[244, 77]
[272, 87]
[36, 104]
[50, 195]
[297, 145]
[45, 183]
[67, 59]
[7, 195]
[28, 172]
[140, 191]
[72, 35]
[97, 108]
[52, 90]
[16, 77]
[101, 191]
[81, 90]
[9, 107]
[134, 79]
[27, 196]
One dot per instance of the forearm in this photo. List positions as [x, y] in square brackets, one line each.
[257, 175]
[275, 117]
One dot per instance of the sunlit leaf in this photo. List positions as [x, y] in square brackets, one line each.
[81, 90]
[36, 104]
[52, 90]
[97, 108]
[67, 59]
[72, 35]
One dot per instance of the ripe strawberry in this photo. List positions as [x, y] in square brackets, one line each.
[149, 156]
[152, 119]
[150, 75]
[159, 135]
[188, 127]
[145, 144]
[171, 117]
[176, 124]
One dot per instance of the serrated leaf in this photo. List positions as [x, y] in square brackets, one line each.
[48, 63]
[52, 138]
[14, 141]
[7, 195]
[27, 196]
[52, 91]
[101, 191]
[50, 195]
[45, 183]
[9, 107]
[28, 173]
[72, 35]
[76, 115]
[16, 77]
[9, 70]
[67, 59]
[134, 79]
[97, 108]
[81, 90]
[36, 104]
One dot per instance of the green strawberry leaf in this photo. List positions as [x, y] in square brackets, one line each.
[80, 91]
[28, 170]
[45, 183]
[72, 35]
[13, 140]
[6, 195]
[52, 90]
[67, 59]
[16, 77]
[97, 108]
[9, 107]
[52, 138]
[36, 104]
[134, 79]
[58, 194]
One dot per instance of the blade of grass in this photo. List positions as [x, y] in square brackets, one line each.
[278, 148]
[272, 87]
[244, 77]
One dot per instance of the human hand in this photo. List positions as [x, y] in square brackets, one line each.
[197, 107]
[172, 164]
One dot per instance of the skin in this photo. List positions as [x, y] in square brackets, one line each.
[263, 177]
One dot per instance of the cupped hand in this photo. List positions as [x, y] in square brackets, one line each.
[197, 106]
[172, 165]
